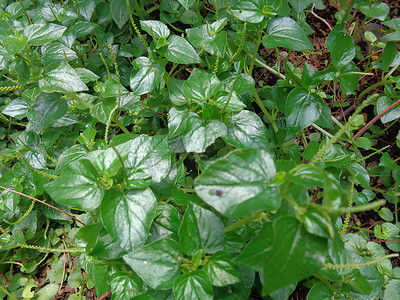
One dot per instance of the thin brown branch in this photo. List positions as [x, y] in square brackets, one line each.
[106, 294]
[377, 117]
[44, 203]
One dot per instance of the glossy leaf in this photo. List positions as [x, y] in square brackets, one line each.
[62, 78]
[389, 54]
[195, 285]
[17, 108]
[341, 47]
[120, 12]
[222, 269]
[383, 103]
[149, 154]
[145, 76]
[377, 10]
[48, 108]
[246, 130]
[180, 51]
[294, 255]
[157, 264]
[240, 183]
[198, 135]
[285, 32]
[200, 85]
[156, 29]
[249, 10]
[39, 34]
[124, 286]
[201, 229]
[127, 217]
[302, 109]
[78, 186]
[177, 118]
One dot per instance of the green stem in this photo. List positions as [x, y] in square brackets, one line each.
[254, 56]
[347, 13]
[44, 249]
[374, 86]
[244, 221]
[73, 96]
[265, 111]
[5, 291]
[353, 209]
[360, 229]
[358, 265]
[273, 71]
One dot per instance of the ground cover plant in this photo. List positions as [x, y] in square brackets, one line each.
[199, 149]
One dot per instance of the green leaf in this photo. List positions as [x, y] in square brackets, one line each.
[14, 44]
[201, 229]
[42, 33]
[383, 103]
[127, 217]
[285, 32]
[294, 255]
[120, 11]
[57, 51]
[201, 85]
[389, 55]
[176, 92]
[318, 223]
[320, 291]
[257, 249]
[155, 28]
[360, 172]
[377, 10]
[145, 76]
[149, 154]
[86, 75]
[177, 118]
[180, 51]
[61, 78]
[186, 3]
[302, 109]
[18, 108]
[349, 83]
[240, 183]
[238, 291]
[392, 289]
[246, 130]
[124, 286]
[300, 5]
[341, 46]
[166, 224]
[48, 108]
[386, 214]
[222, 269]
[198, 135]
[78, 186]
[70, 155]
[386, 231]
[249, 10]
[157, 264]
[195, 286]
[208, 37]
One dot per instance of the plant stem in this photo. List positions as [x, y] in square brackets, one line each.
[243, 221]
[360, 229]
[347, 13]
[73, 96]
[254, 56]
[265, 111]
[273, 71]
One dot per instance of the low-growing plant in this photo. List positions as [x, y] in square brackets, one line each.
[142, 157]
